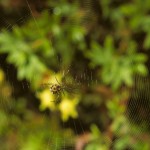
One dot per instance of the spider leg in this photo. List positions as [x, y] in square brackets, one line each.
[57, 81]
[57, 99]
[63, 92]
[46, 85]
[65, 73]
[58, 96]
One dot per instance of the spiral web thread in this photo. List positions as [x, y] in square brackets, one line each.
[138, 101]
[26, 86]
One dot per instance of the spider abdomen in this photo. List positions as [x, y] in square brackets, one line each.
[55, 88]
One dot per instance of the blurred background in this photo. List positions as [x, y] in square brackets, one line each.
[99, 51]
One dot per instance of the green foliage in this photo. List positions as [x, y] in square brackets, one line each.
[109, 39]
[21, 54]
[98, 141]
[117, 69]
[24, 129]
[31, 45]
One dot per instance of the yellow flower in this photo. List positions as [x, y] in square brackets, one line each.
[2, 76]
[68, 108]
[47, 100]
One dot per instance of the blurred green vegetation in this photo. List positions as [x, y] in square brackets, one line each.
[105, 46]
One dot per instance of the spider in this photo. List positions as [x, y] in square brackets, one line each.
[60, 88]
[56, 88]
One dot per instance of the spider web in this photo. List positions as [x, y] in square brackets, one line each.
[54, 142]
[60, 141]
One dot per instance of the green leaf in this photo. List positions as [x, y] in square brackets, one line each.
[128, 9]
[147, 41]
[141, 69]
[96, 55]
[139, 58]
